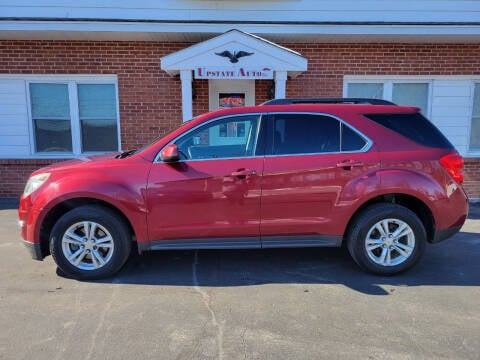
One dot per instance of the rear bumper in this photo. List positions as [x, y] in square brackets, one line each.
[444, 234]
[34, 250]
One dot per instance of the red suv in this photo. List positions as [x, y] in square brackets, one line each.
[289, 173]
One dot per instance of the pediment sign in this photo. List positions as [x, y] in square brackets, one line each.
[234, 55]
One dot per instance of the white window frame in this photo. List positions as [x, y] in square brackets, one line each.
[388, 82]
[71, 81]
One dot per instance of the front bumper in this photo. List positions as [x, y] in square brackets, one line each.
[34, 250]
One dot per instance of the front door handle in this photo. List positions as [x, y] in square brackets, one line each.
[243, 173]
[348, 164]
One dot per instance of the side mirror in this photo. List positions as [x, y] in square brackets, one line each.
[170, 154]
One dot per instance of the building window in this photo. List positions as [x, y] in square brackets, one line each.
[365, 90]
[73, 118]
[475, 124]
[411, 94]
[98, 117]
[399, 92]
[51, 117]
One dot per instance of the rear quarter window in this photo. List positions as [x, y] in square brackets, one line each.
[415, 127]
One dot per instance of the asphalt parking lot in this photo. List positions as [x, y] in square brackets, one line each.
[256, 304]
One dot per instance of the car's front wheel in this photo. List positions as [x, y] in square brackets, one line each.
[386, 239]
[90, 242]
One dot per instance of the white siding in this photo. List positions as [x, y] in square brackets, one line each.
[14, 124]
[271, 10]
[452, 111]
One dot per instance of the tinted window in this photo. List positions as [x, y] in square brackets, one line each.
[225, 138]
[351, 141]
[414, 127]
[305, 134]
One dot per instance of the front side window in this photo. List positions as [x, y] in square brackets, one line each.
[209, 142]
[74, 118]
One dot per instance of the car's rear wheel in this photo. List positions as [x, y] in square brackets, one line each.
[90, 242]
[386, 239]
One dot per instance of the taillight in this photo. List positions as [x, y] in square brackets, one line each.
[453, 163]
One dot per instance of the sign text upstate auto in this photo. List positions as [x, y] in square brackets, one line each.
[233, 73]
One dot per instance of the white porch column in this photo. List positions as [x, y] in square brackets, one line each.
[280, 84]
[186, 78]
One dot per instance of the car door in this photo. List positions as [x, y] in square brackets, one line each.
[211, 197]
[308, 174]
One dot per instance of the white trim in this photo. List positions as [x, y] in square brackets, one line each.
[75, 126]
[187, 106]
[117, 109]
[179, 32]
[280, 84]
[98, 78]
[31, 130]
[407, 78]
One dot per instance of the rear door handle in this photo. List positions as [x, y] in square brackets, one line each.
[348, 164]
[243, 173]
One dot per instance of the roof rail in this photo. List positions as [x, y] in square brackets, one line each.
[327, 101]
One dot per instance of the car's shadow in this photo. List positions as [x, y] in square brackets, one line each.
[452, 263]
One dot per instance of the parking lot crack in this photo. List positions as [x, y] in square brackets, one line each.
[207, 302]
[101, 322]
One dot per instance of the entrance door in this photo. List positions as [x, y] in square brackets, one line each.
[231, 93]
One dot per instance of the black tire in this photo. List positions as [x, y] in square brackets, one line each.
[368, 221]
[105, 222]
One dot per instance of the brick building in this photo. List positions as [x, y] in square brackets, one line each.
[89, 78]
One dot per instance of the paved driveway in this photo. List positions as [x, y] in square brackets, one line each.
[257, 304]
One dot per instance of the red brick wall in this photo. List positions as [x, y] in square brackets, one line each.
[14, 174]
[471, 182]
[150, 100]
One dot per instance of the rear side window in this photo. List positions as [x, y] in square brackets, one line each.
[313, 134]
[305, 134]
[414, 127]
[350, 140]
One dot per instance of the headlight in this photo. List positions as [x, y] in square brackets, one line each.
[34, 183]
